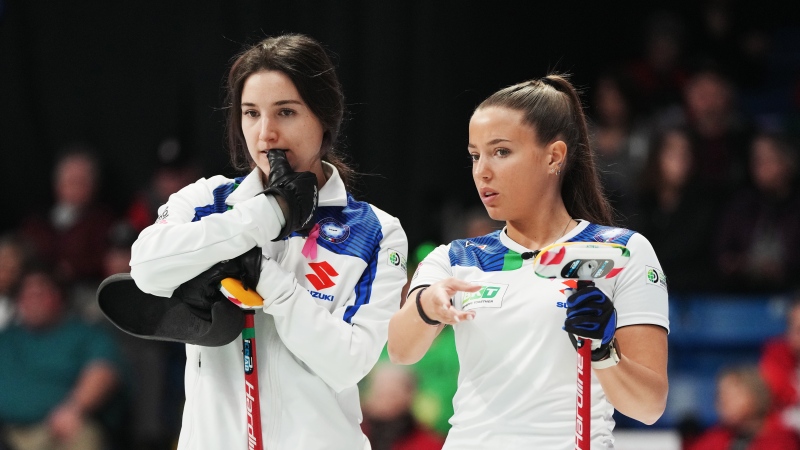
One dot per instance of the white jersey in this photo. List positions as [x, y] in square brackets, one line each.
[313, 346]
[517, 378]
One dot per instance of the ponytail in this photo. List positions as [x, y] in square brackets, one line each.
[552, 106]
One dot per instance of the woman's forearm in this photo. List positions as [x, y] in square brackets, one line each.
[409, 337]
[638, 385]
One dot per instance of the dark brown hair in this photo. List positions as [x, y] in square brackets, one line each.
[551, 106]
[306, 63]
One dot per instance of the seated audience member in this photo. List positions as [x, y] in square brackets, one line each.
[620, 142]
[478, 223]
[56, 373]
[152, 409]
[780, 367]
[72, 235]
[676, 213]
[719, 133]
[12, 261]
[388, 421]
[173, 171]
[437, 381]
[743, 403]
[658, 72]
[758, 244]
[118, 256]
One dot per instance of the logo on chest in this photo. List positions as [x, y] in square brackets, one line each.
[321, 278]
[333, 231]
[489, 296]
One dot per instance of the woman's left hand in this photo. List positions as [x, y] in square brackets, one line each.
[591, 315]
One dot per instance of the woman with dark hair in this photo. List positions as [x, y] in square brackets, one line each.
[533, 168]
[757, 246]
[330, 268]
[618, 137]
[678, 213]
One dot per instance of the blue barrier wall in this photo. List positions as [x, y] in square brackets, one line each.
[707, 334]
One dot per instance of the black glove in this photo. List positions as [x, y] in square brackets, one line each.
[591, 314]
[298, 189]
[201, 292]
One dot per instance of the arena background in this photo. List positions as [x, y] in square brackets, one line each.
[123, 76]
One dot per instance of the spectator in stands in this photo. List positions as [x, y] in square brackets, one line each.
[149, 361]
[780, 367]
[56, 372]
[677, 213]
[12, 261]
[388, 421]
[478, 223]
[758, 245]
[658, 75]
[620, 141]
[174, 171]
[738, 44]
[72, 235]
[437, 381]
[719, 134]
[743, 402]
[118, 256]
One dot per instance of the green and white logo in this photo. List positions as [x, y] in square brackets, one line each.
[655, 276]
[489, 296]
[396, 259]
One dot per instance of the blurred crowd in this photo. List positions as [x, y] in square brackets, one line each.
[698, 147]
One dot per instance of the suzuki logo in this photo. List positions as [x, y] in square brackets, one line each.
[322, 279]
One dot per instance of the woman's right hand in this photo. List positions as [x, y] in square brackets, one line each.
[295, 192]
[436, 300]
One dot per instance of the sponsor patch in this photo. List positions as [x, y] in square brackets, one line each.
[321, 278]
[333, 231]
[162, 218]
[609, 234]
[247, 349]
[321, 296]
[472, 244]
[396, 259]
[655, 276]
[489, 296]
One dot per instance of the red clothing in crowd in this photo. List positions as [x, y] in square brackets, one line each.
[419, 440]
[403, 433]
[75, 252]
[779, 368]
[773, 436]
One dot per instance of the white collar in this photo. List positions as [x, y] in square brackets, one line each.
[332, 194]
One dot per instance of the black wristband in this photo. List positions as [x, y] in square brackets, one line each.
[422, 314]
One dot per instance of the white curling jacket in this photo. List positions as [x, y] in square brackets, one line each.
[325, 322]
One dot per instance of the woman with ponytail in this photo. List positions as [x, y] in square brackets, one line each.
[533, 168]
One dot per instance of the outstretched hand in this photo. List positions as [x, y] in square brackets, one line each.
[436, 300]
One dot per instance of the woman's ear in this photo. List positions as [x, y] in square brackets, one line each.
[557, 153]
[326, 144]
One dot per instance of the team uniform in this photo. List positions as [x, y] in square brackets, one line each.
[326, 321]
[517, 379]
